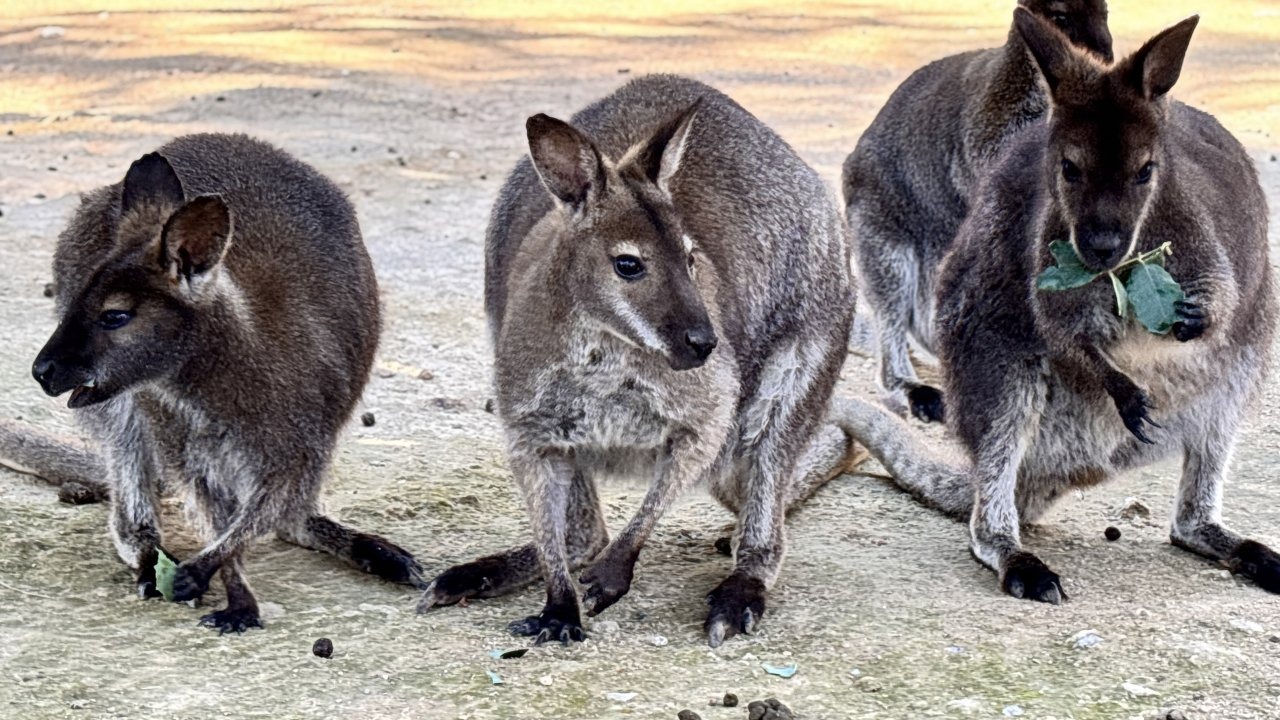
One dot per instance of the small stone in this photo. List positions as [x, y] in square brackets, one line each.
[1273, 157]
[426, 375]
[1012, 711]
[658, 641]
[724, 546]
[1134, 508]
[968, 706]
[756, 710]
[955, 650]
[1112, 534]
[620, 697]
[48, 290]
[545, 680]
[688, 715]
[1137, 690]
[322, 648]
[730, 700]
[1275, 639]
[1246, 626]
[1085, 639]
[1175, 714]
[368, 419]
[49, 32]
[869, 684]
[488, 406]
[220, 98]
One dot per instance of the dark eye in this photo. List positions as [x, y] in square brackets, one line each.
[1071, 172]
[628, 267]
[114, 319]
[1144, 175]
[1059, 19]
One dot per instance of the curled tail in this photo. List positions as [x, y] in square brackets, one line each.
[69, 463]
[939, 482]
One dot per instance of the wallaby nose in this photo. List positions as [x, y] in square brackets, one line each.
[702, 341]
[1104, 250]
[43, 371]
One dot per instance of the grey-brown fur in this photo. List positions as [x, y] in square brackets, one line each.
[595, 374]
[906, 185]
[254, 324]
[66, 462]
[1050, 391]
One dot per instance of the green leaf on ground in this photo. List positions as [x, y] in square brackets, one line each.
[166, 568]
[1153, 294]
[1068, 273]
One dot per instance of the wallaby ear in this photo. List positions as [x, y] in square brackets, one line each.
[566, 160]
[659, 156]
[1155, 68]
[196, 237]
[1048, 45]
[150, 179]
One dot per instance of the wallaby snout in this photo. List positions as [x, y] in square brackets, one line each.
[1102, 248]
[698, 343]
[58, 372]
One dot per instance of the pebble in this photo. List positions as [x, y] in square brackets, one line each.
[620, 697]
[1112, 534]
[1085, 639]
[1134, 508]
[968, 706]
[1175, 714]
[322, 648]
[1137, 690]
[48, 32]
[1247, 626]
[48, 290]
[869, 684]
[368, 419]
[730, 700]
[608, 627]
[1012, 711]
[724, 546]
[545, 680]
[1275, 638]
[688, 715]
[658, 641]
[769, 709]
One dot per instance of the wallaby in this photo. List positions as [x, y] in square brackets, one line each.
[66, 462]
[218, 320]
[907, 183]
[1050, 391]
[668, 292]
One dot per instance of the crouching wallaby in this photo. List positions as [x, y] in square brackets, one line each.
[1054, 390]
[668, 292]
[218, 319]
[906, 185]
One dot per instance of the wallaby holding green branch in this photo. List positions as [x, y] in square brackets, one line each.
[907, 184]
[218, 317]
[1042, 385]
[668, 289]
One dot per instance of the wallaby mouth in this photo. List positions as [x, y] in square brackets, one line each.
[56, 379]
[85, 395]
[1103, 252]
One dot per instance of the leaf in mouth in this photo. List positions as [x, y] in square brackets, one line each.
[1143, 288]
[1069, 273]
[1154, 295]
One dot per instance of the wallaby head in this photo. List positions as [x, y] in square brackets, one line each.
[620, 244]
[129, 321]
[1083, 21]
[1107, 146]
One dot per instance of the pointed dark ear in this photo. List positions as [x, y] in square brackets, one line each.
[1051, 49]
[1155, 68]
[659, 156]
[150, 179]
[196, 237]
[566, 160]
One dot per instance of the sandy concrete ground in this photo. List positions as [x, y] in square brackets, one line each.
[417, 111]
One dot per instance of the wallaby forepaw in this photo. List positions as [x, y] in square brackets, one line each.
[1135, 410]
[1257, 562]
[609, 579]
[381, 557]
[190, 582]
[1027, 578]
[927, 404]
[544, 629]
[1192, 320]
[232, 620]
[735, 607]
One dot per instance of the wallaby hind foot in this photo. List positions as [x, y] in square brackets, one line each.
[371, 553]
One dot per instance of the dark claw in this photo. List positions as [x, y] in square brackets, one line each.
[232, 620]
[927, 404]
[1192, 320]
[543, 629]
[190, 583]
[147, 574]
[736, 606]
[1026, 577]
[1135, 408]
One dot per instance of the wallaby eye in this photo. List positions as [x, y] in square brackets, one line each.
[114, 319]
[628, 267]
[1144, 175]
[1071, 172]
[1059, 19]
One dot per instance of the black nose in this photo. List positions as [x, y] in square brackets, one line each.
[1103, 250]
[702, 341]
[43, 371]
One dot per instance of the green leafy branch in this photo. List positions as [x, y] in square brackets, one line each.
[1143, 288]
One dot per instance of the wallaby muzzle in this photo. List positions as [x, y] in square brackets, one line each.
[59, 370]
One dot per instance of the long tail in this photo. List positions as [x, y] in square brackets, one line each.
[371, 553]
[69, 463]
[935, 480]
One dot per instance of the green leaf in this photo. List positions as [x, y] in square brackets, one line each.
[1068, 273]
[1122, 297]
[166, 568]
[1153, 293]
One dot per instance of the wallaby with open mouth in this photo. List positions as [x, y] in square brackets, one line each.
[906, 185]
[669, 295]
[218, 321]
[1050, 391]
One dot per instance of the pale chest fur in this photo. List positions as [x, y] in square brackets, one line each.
[601, 393]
